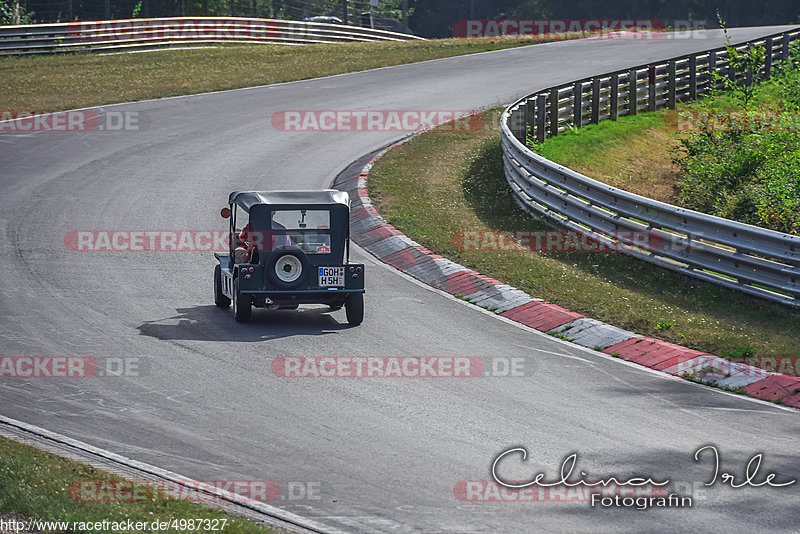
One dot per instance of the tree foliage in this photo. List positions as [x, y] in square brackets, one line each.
[12, 12]
[435, 18]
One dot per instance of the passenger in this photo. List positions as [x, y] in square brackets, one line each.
[249, 242]
[241, 253]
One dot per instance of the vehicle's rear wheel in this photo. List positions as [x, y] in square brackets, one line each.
[287, 267]
[241, 304]
[219, 298]
[354, 307]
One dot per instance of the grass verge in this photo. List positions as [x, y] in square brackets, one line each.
[440, 183]
[638, 154]
[68, 81]
[33, 485]
[743, 168]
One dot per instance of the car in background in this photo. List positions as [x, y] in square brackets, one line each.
[329, 20]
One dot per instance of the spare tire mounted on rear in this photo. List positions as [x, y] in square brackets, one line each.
[287, 267]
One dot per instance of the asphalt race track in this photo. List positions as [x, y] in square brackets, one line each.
[385, 454]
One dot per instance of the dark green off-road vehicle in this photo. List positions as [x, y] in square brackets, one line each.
[289, 248]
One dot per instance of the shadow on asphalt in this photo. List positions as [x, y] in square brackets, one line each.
[209, 323]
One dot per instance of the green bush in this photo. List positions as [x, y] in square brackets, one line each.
[752, 176]
[11, 12]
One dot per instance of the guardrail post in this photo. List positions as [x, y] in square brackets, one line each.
[712, 71]
[577, 105]
[785, 47]
[541, 108]
[731, 70]
[553, 112]
[692, 77]
[748, 76]
[614, 105]
[520, 119]
[595, 101]
[633, 90]
[768, 59]
[651, 88]
[671, 90]
[530, 119]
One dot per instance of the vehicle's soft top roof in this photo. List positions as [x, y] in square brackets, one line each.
[248, 199]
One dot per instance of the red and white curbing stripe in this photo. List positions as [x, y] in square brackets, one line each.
[389, 245]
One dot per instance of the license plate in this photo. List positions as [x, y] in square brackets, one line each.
[331, 277]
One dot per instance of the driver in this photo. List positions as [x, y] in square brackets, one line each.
[280, 240]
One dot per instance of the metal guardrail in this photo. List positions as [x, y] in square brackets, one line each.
[142, 34]
[757, 261]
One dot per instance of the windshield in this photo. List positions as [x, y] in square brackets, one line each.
[301, 220]
[303, 229]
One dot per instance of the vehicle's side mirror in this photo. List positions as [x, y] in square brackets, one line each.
[225, 213]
